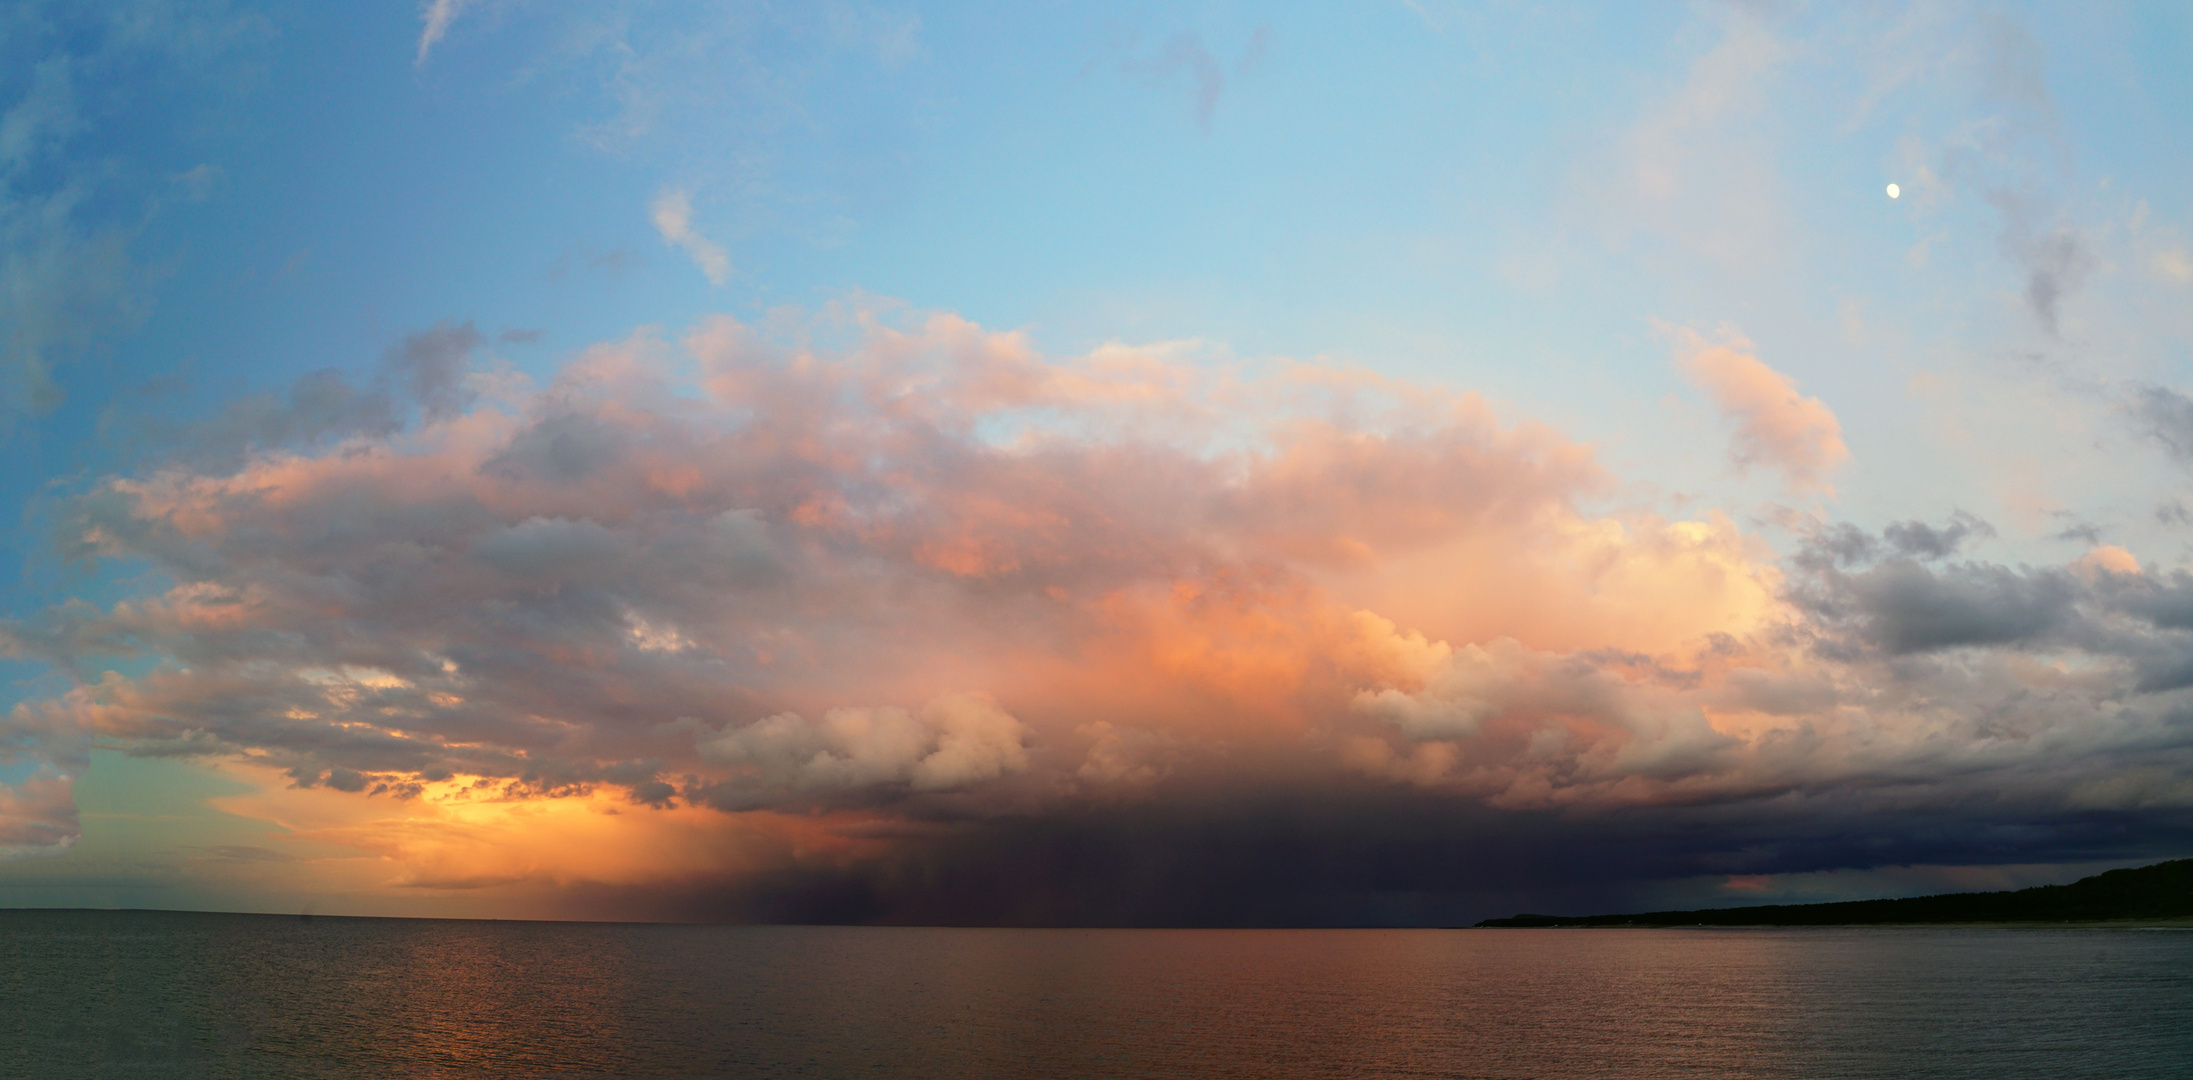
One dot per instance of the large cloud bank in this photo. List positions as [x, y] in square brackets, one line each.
[1116, 637]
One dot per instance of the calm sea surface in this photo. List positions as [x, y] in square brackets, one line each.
[133, 994]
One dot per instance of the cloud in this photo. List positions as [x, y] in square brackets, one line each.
[426, 372]
[657, 625]
[2172, 264]
[1918, 540]
[428, 367]
[73, 203]
[1775, 425]
[1901, 606]
[541, 590]
[611, 263]
[1184, 54]
[955, 740]
[66, 279]
[1696, 167]
[673, 215]
[2003, 145]
[2167, 416]
[2056, 259]
[245, 853]
[37, 815]
[745, 102]
[436, 16]
[1252, 54]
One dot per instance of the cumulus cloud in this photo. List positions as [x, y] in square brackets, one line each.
[694, 587]
[1901, 606]
[1775, 425]
[954, 741]
[1461, 692]
[673, 215]
[37, 815]
[2051, 681]
[1125, 756]
[569, 588]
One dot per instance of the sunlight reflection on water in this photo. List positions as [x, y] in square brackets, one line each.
[155, 994]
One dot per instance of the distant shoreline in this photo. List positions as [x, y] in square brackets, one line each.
[2158, 896]
[2005, 924]
[1581, 923]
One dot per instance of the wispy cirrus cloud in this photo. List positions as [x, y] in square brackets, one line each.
[1185, 57]
[735, 99]
[436, 17]
[70, 281]
[672, 212]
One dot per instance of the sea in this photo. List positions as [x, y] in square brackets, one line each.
[162, 994]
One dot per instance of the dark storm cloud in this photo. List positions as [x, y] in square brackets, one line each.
[842, 611]
[1369, 858]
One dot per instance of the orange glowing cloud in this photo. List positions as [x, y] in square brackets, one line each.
[468, 837]
[686, 608]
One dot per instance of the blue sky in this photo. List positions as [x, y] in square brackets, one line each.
[1557, 207]
[1419, 192]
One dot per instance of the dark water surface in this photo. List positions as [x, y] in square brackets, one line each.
[141, 994]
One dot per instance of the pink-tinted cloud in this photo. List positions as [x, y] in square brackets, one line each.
[1775, 425]
[37, 815]
[819, 599]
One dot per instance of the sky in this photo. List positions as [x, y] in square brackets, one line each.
[1141, 464]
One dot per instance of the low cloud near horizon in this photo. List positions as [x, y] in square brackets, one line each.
[899, 618]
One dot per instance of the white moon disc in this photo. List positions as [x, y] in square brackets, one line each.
[1895, 192]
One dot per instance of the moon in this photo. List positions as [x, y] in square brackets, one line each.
[1895, 192]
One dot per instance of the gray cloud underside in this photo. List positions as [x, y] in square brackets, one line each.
[606, 583]
[1361, 858]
